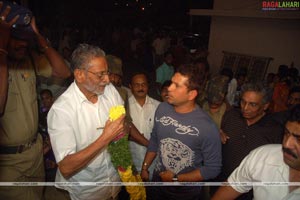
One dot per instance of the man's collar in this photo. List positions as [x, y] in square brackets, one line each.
[146, 101]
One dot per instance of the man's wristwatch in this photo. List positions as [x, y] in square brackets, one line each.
[145, 166]
[175, 178]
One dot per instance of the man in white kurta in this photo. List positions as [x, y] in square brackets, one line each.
[80, 131]
[142, 109]
[73, 125]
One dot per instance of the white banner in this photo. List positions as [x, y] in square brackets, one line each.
[149, 184]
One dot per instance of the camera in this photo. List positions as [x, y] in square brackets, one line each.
[25, 14]
[21, 29]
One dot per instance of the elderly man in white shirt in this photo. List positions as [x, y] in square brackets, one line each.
[271, 164]
[142, 109]
[79, 128]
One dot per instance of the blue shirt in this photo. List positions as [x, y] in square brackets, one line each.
[164, 73]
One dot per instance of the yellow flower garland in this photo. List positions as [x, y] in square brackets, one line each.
[116, 112]
[135, 192]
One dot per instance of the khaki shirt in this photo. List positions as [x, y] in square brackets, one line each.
[216, 117]
[19, 124]
[124, 95]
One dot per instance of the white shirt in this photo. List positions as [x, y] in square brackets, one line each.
[72, 126]
[143, 119]
[264, 164]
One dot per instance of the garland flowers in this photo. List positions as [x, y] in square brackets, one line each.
[122, 160]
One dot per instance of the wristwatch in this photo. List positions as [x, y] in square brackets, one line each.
[175, 178]
[145, 166]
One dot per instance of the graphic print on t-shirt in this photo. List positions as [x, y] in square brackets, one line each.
[179, 128]
[175, 155]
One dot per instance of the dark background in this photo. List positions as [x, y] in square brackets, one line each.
[173, 13]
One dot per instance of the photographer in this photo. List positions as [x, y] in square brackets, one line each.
[21, 155]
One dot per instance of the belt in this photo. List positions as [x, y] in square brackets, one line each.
[18, 149]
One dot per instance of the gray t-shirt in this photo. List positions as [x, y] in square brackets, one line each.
[185, 142]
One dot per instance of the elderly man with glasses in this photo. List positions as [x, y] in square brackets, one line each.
[79, 145]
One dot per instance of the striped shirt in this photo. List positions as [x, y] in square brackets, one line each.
[244, 138]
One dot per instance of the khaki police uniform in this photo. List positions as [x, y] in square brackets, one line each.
[21, 153]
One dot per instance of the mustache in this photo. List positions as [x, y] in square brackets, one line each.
[141, 91]
[103, 84]
[288, 151]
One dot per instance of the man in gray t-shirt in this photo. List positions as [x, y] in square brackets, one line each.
[184, 138]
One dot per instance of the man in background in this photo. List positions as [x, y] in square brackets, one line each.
[165, 71]
[142, 109]
[293, 100]
[164, 90]
[115, 77]
[247, 128]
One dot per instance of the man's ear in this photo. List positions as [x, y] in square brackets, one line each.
[193, 94]
[79, 75]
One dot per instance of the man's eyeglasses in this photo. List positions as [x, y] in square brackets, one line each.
[100, 75]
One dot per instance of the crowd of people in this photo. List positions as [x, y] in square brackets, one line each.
[184, 124]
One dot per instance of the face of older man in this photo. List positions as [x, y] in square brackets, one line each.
[252, 106]
[96, 77]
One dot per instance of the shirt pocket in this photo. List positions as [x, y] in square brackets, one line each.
[11, 104]
[28, 88]
[12, 95]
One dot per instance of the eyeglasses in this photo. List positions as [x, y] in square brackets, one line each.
[100, 75]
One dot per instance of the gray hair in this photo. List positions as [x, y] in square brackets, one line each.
[83, 54]
[256, 87]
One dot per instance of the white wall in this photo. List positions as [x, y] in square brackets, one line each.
[237, 4]
[276, 38]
